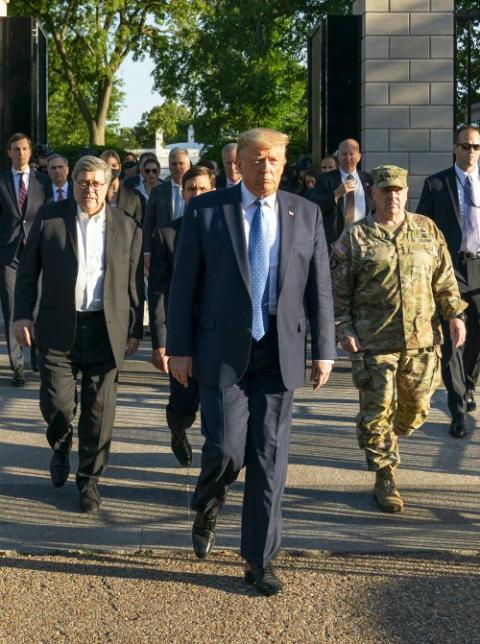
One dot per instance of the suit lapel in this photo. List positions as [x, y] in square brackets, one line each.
[11, 191]
[451, 183]
[111, 228]
[236, 228]
[71, 225]
[286, 215]
[168, 193]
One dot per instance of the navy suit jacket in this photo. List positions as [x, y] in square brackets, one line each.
[439, 201]
[210, 306]
[323, 195]
[15, 226]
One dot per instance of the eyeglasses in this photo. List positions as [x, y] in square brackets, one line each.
[466, 126]
[86, 185]
[150, 170]
[469, 146]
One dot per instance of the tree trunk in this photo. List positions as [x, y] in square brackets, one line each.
[96, 132]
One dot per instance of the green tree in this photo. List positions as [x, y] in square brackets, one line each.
[171, 117]
[89, 41]
[467, 59]
[237, 65]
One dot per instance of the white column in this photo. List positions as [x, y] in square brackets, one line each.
[3, 8]
[407, 86]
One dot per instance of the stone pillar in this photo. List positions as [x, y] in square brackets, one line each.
[3, 8]
[407, 86]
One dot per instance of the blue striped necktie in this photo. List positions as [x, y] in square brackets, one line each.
[259, 260]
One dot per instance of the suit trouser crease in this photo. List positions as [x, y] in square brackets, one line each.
[8, 276]
[248, 424]
[91, 354]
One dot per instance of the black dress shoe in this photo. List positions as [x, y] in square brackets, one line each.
[458, 428]
[59, 468]
[263, 579]
[18, 379]
[470, 400]
[203, 532]
[182, 450]
[90, 499]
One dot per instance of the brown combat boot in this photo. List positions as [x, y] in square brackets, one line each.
[386, 492]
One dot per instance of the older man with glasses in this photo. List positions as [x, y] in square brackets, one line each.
[452, 199]
[87, 255]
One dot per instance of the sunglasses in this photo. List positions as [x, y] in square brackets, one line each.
[465, 126]
[151, 171]
[469, 146]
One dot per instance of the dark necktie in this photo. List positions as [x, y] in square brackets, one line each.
[349, 205]
[472, 238]
[22, 193]
[259, 260]
[59, 194]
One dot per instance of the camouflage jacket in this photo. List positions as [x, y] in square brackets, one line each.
[388, 286]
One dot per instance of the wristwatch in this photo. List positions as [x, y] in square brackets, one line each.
[460, 316]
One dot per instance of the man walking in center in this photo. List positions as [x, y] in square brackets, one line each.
[88, 256]
[391, 274]
[452, 199]
[251, 263]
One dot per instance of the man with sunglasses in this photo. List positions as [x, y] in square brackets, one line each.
[452, 199]
[87, 255]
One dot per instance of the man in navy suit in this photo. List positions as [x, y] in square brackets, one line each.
[59, 186]
[22, 192]
[251, 264]
[344, 195]
[452, 199]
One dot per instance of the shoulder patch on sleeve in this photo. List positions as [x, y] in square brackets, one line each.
[339, 248]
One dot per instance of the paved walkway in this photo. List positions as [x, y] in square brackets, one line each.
[328, 503]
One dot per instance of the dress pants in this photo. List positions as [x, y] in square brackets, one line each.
[8, 276]
[248, 424]
[91, 354]
[460, 367]
[182, 406]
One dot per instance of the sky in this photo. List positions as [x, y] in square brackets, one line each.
[137, 85]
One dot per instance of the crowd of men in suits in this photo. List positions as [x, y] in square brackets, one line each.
[235, 269]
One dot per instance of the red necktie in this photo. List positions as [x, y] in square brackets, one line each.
[59, 194]
[22, 193]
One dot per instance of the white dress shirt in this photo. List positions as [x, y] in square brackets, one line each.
[461, 178]
[270, 208]
[16, 179]
[91, 261]
[64, 190]
[358, 195]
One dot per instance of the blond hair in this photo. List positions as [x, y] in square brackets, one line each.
[261, 137]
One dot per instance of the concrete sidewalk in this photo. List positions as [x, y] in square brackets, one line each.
[328, 504]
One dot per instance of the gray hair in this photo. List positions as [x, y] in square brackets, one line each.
[228, 147]
[90, 163]
[175, 151]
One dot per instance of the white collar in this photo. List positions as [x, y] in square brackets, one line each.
[248, 198]
[462, 175]
[344, 174]
[17, 172]
[82, 215]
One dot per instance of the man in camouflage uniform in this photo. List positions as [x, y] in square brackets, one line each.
[391, 274]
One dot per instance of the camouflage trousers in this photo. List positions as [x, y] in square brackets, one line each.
[395, 391]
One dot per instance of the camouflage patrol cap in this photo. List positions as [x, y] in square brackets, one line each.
[386, 176]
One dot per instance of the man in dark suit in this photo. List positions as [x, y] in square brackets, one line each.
[251, 263]
[59, 187]
[165, 202]
[452, 199]
[344, 195]
[22, 192]
[183, 401]
[88, 257]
